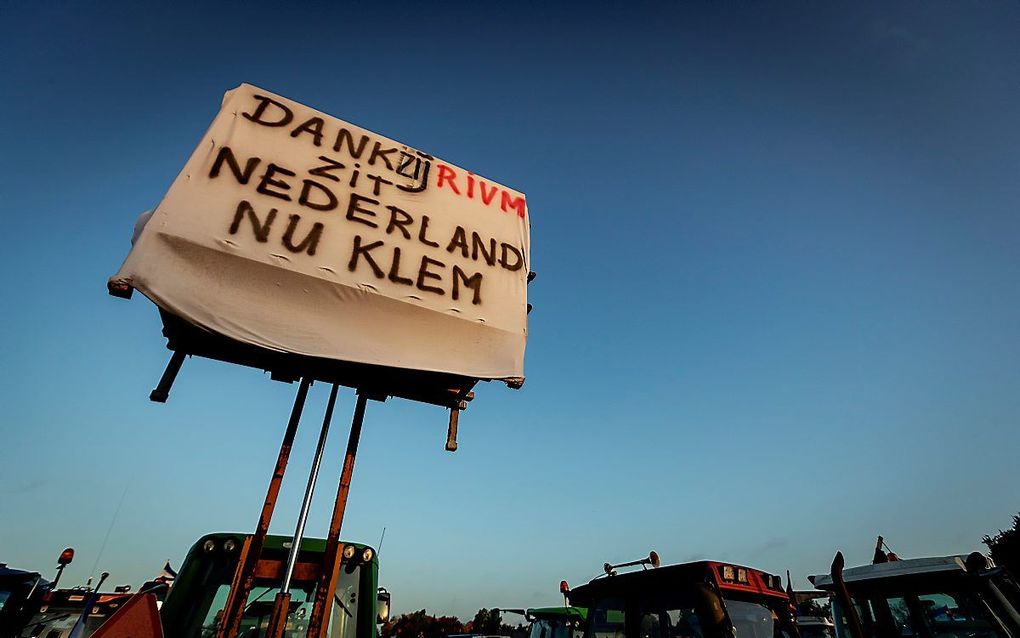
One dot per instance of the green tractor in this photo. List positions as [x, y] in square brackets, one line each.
[193, 606]
[556, 622]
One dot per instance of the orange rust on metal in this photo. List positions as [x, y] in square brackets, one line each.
[245, 574]
[278, 619]
[273, 570]
[235, 582]
[451, 432]
[138, 618]
[326, 588]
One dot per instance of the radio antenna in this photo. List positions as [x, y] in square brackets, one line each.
[113, 520]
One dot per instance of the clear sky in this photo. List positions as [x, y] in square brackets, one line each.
[776, 311]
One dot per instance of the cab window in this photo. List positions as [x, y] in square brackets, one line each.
[607, 619]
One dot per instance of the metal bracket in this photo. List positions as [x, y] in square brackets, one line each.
[162, 390]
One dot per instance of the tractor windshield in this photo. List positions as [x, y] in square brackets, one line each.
[678, 614]
[342, 623]
[553, 628]
[931, 608]
[195, 605]
[695, 612]
[751, 620]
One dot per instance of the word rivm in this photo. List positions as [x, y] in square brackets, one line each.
[470, 184]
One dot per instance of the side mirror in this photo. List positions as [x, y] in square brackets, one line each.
[382, 606]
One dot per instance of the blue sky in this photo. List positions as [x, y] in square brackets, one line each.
[776, 311]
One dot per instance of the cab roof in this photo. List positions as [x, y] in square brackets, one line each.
[757, 582]
[892, 569]
[275, 541]
[552, 613]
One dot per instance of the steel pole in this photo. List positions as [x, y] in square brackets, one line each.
[326, 588]
[252, 550]
[281, 605]
[299, 531]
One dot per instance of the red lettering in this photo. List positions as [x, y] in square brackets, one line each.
[517, 203]
[447, 174]
[487, 198]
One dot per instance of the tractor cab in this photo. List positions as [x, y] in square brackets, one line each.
[814, 618]
[194, 606]
[943, 597]
[552, 622]
[815, 627]
[704, 599]
[18, 590]
[556, 622]
[59, 610]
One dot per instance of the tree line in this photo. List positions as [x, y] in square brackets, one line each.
[420, 624]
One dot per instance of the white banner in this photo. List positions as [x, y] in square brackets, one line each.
[295, 231]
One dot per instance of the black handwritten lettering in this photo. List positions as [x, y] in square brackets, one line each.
[477, 246]
[424, 182]
[323, 171]
[407, 161]
[459, 240]
[354, 206]
[310, 241]
[258, 116]
[424, 273]
[345, 136]
[519, 261]
[261, 229]
[313, 126]
[365, 251]
[227, 155]
[474, 282]
[267, 181]
[401, 224]
[423, 233]
[305, 199]
[379, 181]
[395, 270]
[378, 153]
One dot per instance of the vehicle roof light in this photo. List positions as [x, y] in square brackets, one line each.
[742, 575]
[728, 573]
[66, 556]
[349, 551]
[367, 554]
